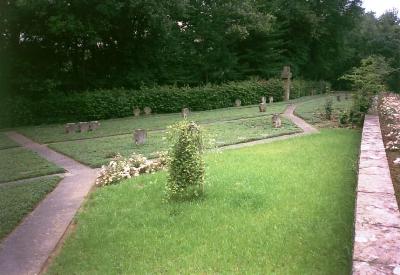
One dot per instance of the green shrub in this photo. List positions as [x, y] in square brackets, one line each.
[367, 80]
[328, 108]
[343, 118]
[185, 164]
[105, 104]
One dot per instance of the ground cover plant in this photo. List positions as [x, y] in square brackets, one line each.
[314, 111]
[5, 142]
[20, 163]
[17, 200]
[281, 208]
[96, 152]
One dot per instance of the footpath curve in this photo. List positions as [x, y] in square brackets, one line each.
[289, 114]
[28, 247]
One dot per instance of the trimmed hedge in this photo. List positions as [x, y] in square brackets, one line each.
[105, 104]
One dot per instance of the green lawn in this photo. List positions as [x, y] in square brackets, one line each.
[96, 152]
[313, 111]
[5, 142]
[20, 163]
[17, 200]
[55, 133]
[280, 208]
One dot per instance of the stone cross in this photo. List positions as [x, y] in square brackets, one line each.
[271, 99]
[71, 128]
[286, 77]
[93, 125]
[185, 112]
[140, 136]
[238, 102]
[276, 121]
[136, 112]
[83, 127]
[147, 110]
[262, 107]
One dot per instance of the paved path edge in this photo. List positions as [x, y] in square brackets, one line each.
[26, 249]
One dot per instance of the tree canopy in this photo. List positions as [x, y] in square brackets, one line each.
[71, 45]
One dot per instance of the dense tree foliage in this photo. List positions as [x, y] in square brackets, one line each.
[71, 45]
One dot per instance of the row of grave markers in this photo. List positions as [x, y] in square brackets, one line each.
[81, 127]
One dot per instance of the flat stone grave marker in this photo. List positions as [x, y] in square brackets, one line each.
[147, 110]
[238, 103]
[262, 107]
[185, 112]
[94, 125]
[276, 121]
[136, 112]
[140, 136]
[71, 128]
[83, 127]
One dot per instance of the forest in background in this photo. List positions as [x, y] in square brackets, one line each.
[49, 46]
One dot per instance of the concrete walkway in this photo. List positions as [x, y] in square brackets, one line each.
[377, 221]
[289, 114]
[28, 247]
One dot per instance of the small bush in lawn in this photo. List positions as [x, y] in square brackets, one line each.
[185, 163]
[343, 118]
[328, 108]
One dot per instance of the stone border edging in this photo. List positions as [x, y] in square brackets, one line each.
[377, 218]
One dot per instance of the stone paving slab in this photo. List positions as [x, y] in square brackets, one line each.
[377, 221]
[28, 247]
[365, 268]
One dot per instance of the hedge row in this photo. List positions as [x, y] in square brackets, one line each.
[104, 104]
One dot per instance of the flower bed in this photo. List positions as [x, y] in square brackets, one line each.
[389, 112]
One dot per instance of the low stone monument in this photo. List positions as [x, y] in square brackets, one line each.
[185, 112]
[71, 128]
[136, 112]
[262, 107]
[271, 99]
[83, 127]
[286, 77]
[338, 97]
[94, 125]
[263, 99]
[276, 121]
[147, 110]
[140, 136]
[238, 103]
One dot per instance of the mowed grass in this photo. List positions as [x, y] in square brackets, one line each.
[5, 142]
[99, 151]
[17, 200]
[313, 111]
[280, 208]
[56, 133]
[20, 163]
